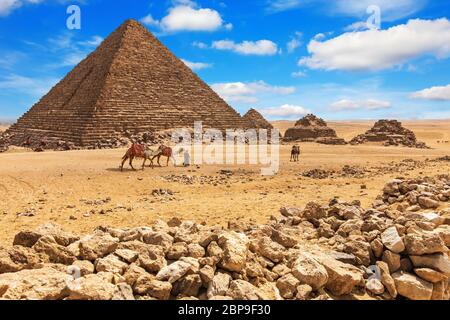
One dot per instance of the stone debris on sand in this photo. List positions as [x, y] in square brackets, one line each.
[334, 251]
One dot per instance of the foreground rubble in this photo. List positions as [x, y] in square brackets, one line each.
[398, 249]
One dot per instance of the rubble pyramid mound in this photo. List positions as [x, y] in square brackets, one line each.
[130, 83]
[391, 133]
[256, 120]
[313, 129]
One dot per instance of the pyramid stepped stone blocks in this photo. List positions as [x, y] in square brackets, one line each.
[313, 129]
[130, 83]
[256, 120]
[391, 133]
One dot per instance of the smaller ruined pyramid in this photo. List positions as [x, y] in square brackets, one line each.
[390, 133]
[256, 120]
[130, 83]
[313, 129]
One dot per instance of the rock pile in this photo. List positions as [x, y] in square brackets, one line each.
[312, 129]
[391, 133]
[312, 253]
[4, 142]
[416, 194]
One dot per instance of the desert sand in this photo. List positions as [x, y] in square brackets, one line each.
[83, 189]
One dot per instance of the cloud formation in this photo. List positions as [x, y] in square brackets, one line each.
[368, 104]
[196, 65]
[375, 50]
[248, 92]
[286, 111]
[259, 48]
[187, 16]
[391, 10]
[433, 93]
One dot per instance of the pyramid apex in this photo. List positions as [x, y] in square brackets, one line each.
[132, 23]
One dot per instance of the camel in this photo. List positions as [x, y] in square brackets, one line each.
[139, 151]
[164, 152]
[295, 153]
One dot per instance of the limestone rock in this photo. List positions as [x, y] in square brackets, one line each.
[97, 246]
[375, 286]
[92, 287]
[438, 261]
[392, 240]
[430, 275]
[111, 264]
[287, 285]
[421, 244]
[308, 271]
[235, 249]
[219, 285]
[38, 284]
[56, 253]
[412, 287]
[386, 279]
[243, 290]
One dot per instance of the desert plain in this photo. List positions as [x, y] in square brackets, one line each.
[81, 190]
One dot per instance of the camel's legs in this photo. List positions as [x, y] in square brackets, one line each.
[168, 158]
[123, 162]
[143, 164]
[131, 163]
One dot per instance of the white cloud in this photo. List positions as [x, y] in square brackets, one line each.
[381, 49]
[356, 26]
[260, 47]
[248, 92]
[187, 18]
[200, 45]
[92, 42]
[197, 65]
[186, 15]
[295, 42]
[148, 20]
[9, 59]
[391, 10]
[31, 86]
[70, 50]
[283, 5]
[433, 93]
[298, 74]
[368, 104]
[285, 111]
[7, 6]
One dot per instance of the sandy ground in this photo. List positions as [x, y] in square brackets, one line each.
[83, 189]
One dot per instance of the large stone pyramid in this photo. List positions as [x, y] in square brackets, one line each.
[133, 83]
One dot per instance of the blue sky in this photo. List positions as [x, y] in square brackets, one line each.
[282, 57]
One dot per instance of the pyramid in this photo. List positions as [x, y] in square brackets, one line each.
[391, 133]
[313, 129]
[130, 83]
[256, 120]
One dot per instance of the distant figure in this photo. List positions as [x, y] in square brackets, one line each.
[295, 153]
[187, 158]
